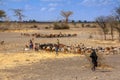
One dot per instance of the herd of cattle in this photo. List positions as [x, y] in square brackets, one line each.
[39, 35]
[77, 49]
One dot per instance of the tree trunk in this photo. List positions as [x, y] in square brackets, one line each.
[104, 36]
[112, 33]
[112, 37]
[66, 19]
[119, 37]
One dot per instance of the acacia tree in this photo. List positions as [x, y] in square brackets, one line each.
[101, 21]
[2, 14]
[19, 14]
[66, 15]
[117, 15]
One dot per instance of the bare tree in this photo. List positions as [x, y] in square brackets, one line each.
[66, 15]
[112, 23]
[101, 21]
[19, 14]
[2, 14]
[7, 21]
[117, 15]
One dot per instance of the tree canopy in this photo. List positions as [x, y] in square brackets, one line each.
[66, 15]
[2, 14]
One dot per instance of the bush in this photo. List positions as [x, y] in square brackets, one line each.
[88, 26]
[34, 26]
[90, 36]
[94, 26]
[58, 26]
[47, 27]
[3, 28]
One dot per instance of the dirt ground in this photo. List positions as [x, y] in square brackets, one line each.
[14, 42]
[39, 66]
[75, 68]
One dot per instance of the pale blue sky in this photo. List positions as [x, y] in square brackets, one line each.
[49, 10]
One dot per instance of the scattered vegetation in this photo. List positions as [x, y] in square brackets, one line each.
[88, 25]
[82, 25]
[117, 23]
[101, 21]
[3, 28]
[109, 23]
[34, 26]
[19, 14]
[58, 26]
[90, 36]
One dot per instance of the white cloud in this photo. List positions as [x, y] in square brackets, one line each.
[69, 2]
[51, 0]
[96, 2]
[28, 7]
[1, 3]
[43, 9]
[18, 0]
[51, 9]
[53, 4]
[48, 9]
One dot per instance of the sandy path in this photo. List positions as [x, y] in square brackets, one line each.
[63, 69]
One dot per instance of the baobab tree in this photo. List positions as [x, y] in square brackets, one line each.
[101, 21]
[66, 15]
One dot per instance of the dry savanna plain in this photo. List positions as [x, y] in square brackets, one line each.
[16, 63]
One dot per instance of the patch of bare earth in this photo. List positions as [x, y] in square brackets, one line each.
[73, 68]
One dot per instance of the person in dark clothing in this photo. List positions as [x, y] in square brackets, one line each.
[31, 44]
[94, 57]
[57, 47]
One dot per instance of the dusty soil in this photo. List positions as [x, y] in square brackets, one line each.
[75, 68]
[14, 42]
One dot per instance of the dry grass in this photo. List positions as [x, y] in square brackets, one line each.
[18, 31]
[17, 59]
